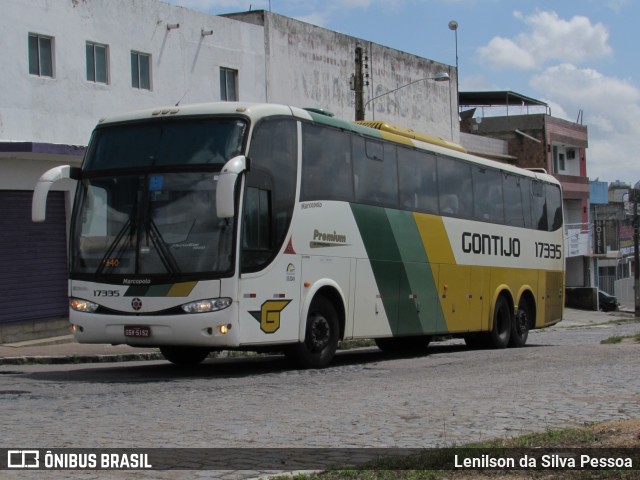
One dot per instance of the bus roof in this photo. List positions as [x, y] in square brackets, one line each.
[382, 130]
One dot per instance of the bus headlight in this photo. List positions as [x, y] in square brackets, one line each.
[209, 305]
[80, 305]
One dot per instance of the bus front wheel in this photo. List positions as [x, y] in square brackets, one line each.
[321, 338]
[184, 356]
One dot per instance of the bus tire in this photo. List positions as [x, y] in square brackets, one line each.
[520, 326]
[502, 322]
[321, 336]
[184, 356]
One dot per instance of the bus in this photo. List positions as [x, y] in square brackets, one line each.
[231, 226]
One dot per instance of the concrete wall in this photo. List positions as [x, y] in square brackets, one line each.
[310, 66]
[487, 146]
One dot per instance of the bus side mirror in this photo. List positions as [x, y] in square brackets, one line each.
[225, 191]
[41, 190]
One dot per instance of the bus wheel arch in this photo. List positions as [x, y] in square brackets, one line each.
[331, 291]
[323, 329]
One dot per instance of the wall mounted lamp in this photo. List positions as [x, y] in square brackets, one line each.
[204, 33]
[171, 26]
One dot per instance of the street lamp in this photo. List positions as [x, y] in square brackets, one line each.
[453, 25]
[438, 77]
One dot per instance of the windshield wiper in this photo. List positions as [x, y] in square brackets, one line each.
[123, 231]
[165, 255]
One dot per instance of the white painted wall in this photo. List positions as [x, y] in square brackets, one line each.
[64, 109]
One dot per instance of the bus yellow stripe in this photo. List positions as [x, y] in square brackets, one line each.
[434, 239]
[181, 289]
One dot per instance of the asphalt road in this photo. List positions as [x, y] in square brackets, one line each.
[452, 395]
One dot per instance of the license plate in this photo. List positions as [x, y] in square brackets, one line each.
[137, 331]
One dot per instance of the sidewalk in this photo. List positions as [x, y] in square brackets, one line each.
[60, 350]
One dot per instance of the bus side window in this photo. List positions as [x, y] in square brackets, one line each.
[417, 180]
[487, 194]
[514, 215]
[376, 171]
[256, 228]
[454, 179]
[326, 164]
[554, 207]
[539, 206]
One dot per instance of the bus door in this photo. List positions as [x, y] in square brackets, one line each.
[269, 287]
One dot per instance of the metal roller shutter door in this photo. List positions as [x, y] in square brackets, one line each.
[33, 256]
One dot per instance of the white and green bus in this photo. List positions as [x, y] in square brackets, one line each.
[265, 227]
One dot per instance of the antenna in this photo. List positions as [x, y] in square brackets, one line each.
[178, 102]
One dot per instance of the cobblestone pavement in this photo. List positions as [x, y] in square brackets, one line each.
[366, 399]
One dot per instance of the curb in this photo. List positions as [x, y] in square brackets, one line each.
[76, 359]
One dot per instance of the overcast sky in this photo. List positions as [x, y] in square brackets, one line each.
[576, 55]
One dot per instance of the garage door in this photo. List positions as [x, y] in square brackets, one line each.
[33, 259]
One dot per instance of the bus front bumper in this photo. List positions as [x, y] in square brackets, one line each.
[214, 329]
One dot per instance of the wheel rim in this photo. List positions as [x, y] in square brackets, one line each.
[522, 322]
[320, 332]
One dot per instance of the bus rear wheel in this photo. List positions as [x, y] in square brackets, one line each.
[502, 322]
[520, 327]
[184, 356]
[321, 338]
[500, 333]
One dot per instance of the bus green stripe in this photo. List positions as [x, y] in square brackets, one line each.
[421, 294]
[401, 269]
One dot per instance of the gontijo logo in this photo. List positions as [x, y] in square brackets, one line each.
[269, 315]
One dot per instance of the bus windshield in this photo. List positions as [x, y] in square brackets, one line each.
[150, 224]
[139, 211]
[164, 143]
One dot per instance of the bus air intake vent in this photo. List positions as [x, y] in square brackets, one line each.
[409, 133]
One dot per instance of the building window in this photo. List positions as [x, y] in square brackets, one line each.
[40, 55]
[141, 70]
[97, 70]
[228, 84]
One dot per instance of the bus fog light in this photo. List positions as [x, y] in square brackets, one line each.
[208, 305]
[223, 329]
[80, 305]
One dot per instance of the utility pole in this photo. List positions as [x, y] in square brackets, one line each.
[636, 254]
[358, 84]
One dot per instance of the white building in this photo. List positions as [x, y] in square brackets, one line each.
[69, 63]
